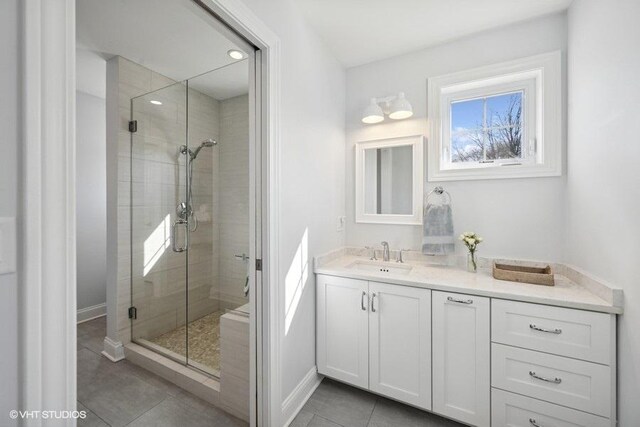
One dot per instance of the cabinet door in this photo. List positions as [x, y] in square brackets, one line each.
[461, 357]
[342, 329]
[400, 343]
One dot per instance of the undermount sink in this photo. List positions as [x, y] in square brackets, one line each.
[380, 267]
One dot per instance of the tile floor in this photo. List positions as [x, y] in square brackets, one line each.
[123, 394]
[334, 404]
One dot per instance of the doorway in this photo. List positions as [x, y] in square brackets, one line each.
[185, 192]
[49, 54]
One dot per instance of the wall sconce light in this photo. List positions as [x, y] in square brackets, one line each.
[397, 107]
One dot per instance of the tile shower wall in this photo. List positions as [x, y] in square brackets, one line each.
[234, 199]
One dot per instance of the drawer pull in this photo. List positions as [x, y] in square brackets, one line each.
[364, 308]
[534, 423]
[461, 301]
[549, 380]
[549, 331]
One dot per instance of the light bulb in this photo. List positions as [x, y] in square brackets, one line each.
[235, 54]
[372, 113]
[400, 108]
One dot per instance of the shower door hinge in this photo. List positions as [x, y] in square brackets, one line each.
[133, 313]
[258, 265]
[133, 126]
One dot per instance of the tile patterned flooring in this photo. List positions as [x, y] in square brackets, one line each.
[123, 394]
[204, 340]
[334, 405]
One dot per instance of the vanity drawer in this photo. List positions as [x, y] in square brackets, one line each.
[569, 382]
[581, 334]
[514, 410]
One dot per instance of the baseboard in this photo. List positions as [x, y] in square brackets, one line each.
[299, 396]
[90, 313]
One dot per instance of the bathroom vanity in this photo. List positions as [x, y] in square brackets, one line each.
[467, 346]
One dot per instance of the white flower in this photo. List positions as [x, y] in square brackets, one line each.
[470, 239]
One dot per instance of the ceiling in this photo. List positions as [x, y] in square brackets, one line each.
[362, 31]
[172, 37]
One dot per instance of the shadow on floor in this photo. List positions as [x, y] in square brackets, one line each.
[334, 404]
[122, 394]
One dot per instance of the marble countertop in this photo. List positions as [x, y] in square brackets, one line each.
[573, 289]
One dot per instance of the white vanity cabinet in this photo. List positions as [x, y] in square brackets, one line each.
[343, 329]
[461, 357]
[481, 360]
[376, 336]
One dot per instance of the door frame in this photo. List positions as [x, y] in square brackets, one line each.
[47, 267]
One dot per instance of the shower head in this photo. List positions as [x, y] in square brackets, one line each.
[206, 143]
[209, 143]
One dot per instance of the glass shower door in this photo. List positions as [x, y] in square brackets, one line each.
[218, 276]
[190, 223]
[159, 235]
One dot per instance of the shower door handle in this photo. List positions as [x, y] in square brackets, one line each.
[174, 228]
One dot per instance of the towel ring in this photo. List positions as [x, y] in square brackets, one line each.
[440, 192]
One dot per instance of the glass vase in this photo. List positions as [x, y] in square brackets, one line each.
[472, 262]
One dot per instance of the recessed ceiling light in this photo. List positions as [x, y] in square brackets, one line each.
[235, 54]
[154, 102]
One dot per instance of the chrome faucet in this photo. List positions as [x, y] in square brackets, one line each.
[385, 251]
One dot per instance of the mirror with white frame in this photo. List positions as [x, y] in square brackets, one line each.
[389, 174]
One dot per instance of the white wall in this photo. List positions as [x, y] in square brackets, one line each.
[312, 173]
[91, 200]
[9, 157]
[603, 185]
[91, 182]
[499, 210]
[91, 73]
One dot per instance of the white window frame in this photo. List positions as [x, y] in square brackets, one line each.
[540, 79]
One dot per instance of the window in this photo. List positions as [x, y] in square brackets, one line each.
[501, 121]
[487, 129]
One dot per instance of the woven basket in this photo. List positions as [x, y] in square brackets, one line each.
[524, 274]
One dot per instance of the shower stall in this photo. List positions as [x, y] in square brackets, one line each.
[190, 218]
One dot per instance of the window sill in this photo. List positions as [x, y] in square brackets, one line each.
[493, 172]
